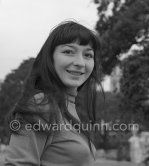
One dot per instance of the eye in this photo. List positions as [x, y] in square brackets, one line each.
[89, 55]
[68, 51]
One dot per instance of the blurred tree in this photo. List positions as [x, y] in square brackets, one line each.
[135, 87]
[107, 114]
[11, 89]
[121, 24]
[109, 109]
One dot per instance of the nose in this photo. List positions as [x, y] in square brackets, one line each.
[79, 61]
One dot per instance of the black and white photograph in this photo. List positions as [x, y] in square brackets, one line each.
[74, 82]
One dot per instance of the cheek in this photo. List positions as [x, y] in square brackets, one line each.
[90, 67]
[57, 63]
[55, 66]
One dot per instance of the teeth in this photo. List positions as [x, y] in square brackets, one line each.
[75, 73]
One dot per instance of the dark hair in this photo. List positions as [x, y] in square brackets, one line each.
[43, 77]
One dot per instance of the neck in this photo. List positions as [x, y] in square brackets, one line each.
[71, 95]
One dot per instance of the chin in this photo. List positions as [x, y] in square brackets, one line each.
[74, 85]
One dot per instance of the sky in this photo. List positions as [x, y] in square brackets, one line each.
[25, 25]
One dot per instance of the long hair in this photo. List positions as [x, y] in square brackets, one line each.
[44, 79]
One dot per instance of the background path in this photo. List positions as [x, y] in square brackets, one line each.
[99, 162]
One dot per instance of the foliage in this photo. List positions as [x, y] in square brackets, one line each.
[107, 114]
[128, 22]
[135, 87]
[108, 109]
[12, 88]
[126, 25]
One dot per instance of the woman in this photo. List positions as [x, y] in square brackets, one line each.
[51, 132]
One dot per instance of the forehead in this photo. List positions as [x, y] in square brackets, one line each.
[76, 45]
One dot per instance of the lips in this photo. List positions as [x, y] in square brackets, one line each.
[76, 73]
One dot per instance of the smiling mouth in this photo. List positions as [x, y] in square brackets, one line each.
[75, 73]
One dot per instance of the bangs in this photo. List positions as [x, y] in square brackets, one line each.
[72, 32]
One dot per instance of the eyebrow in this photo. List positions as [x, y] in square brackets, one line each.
[72, 46]
[69, 45]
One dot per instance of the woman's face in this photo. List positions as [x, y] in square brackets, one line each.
[73, 63]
